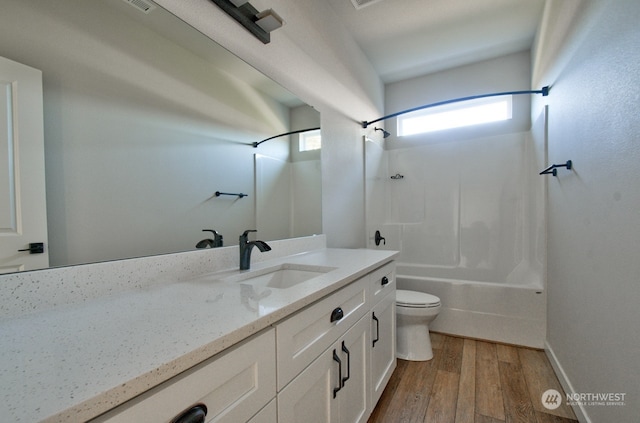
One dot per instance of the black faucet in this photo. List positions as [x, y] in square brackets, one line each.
[213, 243]
[246, 246]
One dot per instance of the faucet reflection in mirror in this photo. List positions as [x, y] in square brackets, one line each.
[213, 243]
[246, 246]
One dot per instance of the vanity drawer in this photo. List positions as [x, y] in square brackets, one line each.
[305, 335]
[233, 385]
[382, 282]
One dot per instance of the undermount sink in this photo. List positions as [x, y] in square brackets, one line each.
[280, 277]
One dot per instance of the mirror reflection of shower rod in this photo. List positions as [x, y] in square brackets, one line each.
[256, 144]
[544, 91]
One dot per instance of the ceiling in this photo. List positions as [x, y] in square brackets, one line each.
[408, 38]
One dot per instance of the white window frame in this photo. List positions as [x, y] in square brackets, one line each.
[456, 115]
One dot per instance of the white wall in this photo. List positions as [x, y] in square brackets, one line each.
[342, 181]
[589, 53]
[312, 55]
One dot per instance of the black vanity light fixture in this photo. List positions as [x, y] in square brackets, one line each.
[260, 24]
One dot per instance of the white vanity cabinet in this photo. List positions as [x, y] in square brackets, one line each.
[335, 371]
[334, 387]
[234, 386]
[302, 337]
[383, 329]
[327, 363]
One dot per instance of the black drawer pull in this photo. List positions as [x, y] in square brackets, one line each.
[377, 329]
[336, 358]
[195, 414]
[337, 314]
[384, 281]
[346, 350]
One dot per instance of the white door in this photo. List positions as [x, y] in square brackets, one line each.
[23, 219]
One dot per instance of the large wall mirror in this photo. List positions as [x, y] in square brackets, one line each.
[144, 120]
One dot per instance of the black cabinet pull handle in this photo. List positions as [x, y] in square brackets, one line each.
[195, 414]
[384, 281]
[336, 358]
[377, 329]
[346, 350]
[337, 314]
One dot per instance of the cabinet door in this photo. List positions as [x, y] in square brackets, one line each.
[354, 394]
[305, 335]
[310, 397]
[234, 385]
[383, 345]
[334, 388]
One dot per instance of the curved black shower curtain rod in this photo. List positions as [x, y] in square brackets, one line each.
[544, 91]
[256, 144]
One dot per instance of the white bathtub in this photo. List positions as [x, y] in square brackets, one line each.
[512, 312]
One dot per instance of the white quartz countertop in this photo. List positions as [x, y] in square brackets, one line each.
[74, 362]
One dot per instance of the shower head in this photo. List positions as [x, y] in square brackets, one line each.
[385, 134]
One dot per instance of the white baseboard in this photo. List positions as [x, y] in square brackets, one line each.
[491, 327]
[581, 413]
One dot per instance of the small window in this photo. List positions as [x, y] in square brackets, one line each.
[310, 140]
[456, 115]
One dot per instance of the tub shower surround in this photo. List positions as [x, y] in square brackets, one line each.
[468, 218]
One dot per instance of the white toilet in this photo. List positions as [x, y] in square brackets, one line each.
[414, 311]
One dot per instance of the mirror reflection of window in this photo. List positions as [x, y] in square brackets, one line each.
[310, 140]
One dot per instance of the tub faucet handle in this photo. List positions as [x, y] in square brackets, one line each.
[379, 237]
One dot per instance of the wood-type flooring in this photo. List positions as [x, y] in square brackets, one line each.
[470, 381]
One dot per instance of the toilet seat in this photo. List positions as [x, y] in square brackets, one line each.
[415, 299]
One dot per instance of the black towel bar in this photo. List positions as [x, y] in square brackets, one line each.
[239, 195]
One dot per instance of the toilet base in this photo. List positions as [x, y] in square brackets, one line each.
[413, 340]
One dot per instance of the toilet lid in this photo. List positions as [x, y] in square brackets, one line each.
[416, 299]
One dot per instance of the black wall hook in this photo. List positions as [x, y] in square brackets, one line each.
[553, 169]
